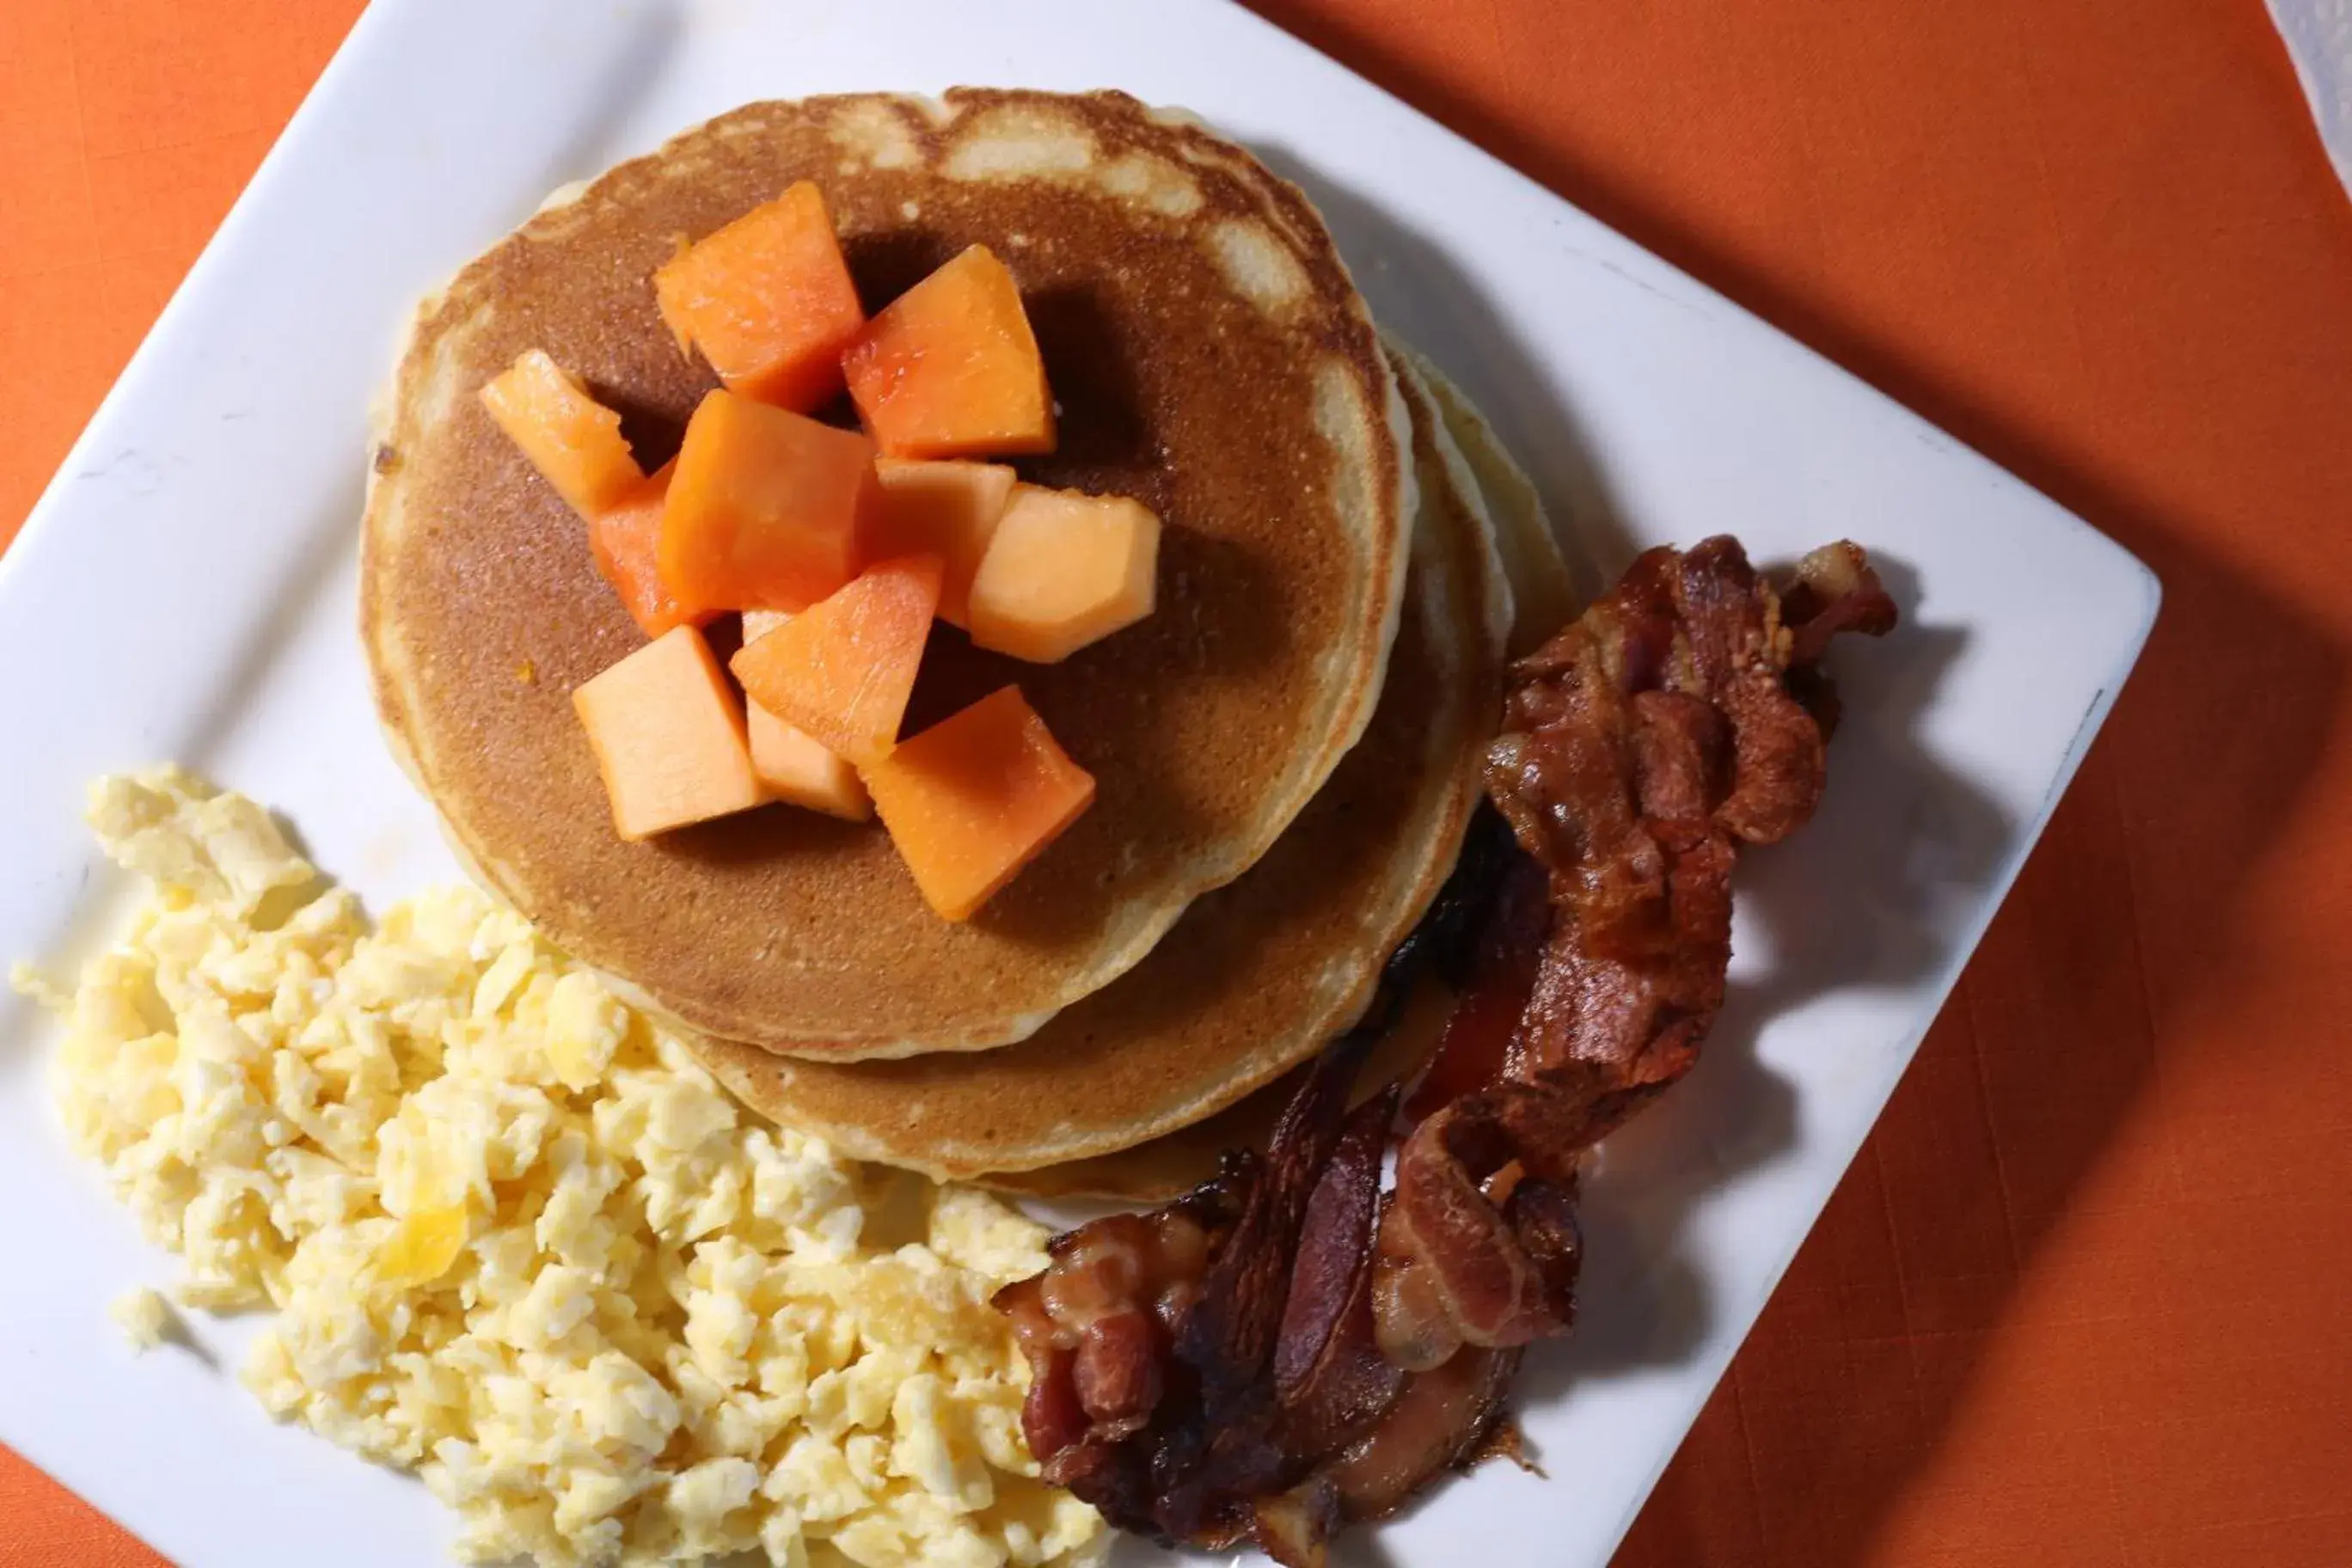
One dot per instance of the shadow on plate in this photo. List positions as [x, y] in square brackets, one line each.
[1469, 341]
[629, 66]
[1869, 895]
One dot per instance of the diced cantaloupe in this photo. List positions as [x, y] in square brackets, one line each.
[950, 369]
[625, 537]
[843, 671]
[947, 508]
[764, 508]
[976, 798]
[768, 300]
[791, 764]
[668, 735]
[573, 440]
[1064, 570]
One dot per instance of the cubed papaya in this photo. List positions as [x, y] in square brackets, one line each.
[843, 670]
[769, 301]
[573, 440]
[625, 537]
[789, 762]
[668, 737]
[943, 509]
[764, 508]
[1064, 570]
[975, 798]
[794, 766]
[950, 368]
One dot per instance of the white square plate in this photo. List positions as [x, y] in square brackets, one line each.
[186, 590]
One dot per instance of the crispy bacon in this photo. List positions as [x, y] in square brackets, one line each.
[1437, 1423]
[1287, 1349]
[1500, 973]
[1329, 1376]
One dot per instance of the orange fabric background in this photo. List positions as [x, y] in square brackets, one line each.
[2083, 1300]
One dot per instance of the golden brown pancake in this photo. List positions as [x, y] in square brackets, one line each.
[1543, 591]
[1542, 602]
[1209, 355]
[1175, 1162]
[1258, 974]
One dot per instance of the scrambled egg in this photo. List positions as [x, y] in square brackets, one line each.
[143, 1316]
[518, 1241]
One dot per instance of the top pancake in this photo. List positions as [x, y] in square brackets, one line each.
[1208, 356]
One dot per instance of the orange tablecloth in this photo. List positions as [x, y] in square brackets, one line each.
[2084, 1299]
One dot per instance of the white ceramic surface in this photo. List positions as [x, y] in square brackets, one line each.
[2319, 38]
[186, 590]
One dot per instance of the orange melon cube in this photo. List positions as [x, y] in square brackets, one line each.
[1064, 570]
[951, 369]
[976, 798]
[764, 508]
[793, 766]
[790, 762]
[668, 737]
[943, 509]
[573, 440]
[768, 300]
[624, 538]
[843, 671]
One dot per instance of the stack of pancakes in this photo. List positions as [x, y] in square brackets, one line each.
[1287, 750]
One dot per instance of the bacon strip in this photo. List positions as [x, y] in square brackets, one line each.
[1286, 1349]
[1337, 1224]
[1230, 1338]
[1329, 1376]
[1649, 740]
[1438, 1423]
[1500, 973]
